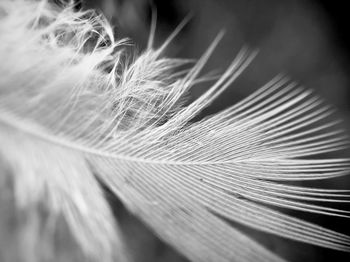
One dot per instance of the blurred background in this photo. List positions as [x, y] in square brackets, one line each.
[304, 39]
[307, 40]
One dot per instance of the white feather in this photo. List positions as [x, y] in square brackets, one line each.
[74, 109]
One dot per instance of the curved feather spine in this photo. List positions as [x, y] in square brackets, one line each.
[178, 177]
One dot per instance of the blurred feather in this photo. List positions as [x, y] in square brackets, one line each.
[75, 109]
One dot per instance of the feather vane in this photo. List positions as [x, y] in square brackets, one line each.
[74, 110]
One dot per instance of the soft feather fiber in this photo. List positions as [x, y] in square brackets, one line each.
[77, 110]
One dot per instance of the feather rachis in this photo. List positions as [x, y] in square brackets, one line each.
[125, 125]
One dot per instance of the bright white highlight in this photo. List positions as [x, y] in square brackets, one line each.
[73, 108]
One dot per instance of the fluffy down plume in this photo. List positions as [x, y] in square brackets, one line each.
[75, 109]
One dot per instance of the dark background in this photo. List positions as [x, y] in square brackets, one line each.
[307, 40]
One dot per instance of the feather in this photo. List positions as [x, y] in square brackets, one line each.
[75, 111]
